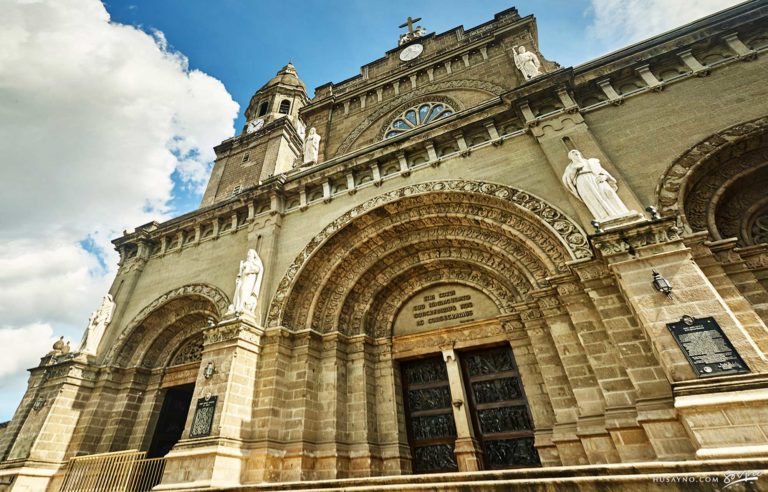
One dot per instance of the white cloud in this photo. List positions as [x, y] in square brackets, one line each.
[92, 118]
[620, 22]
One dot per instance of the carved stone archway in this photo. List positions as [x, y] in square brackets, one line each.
[718, 185]
[354, 274]
[149, 327]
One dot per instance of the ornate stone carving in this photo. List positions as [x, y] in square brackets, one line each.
[96, 325]
[230, 331]
[569, 233]
[191, 351]
[672, 184]
[629, 239]
[411, 98]
[128, 340]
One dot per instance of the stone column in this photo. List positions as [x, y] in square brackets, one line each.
[723, 416]
[468, 453]
[570, 450]
[227, 373]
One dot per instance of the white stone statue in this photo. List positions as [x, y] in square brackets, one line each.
[527, 62]
[594, 186]
[247, 284]
[97, 323]
[311, 146]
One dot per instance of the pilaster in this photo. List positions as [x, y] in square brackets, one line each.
[632, 254]
[210, 452]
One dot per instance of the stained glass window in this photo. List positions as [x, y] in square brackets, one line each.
[416, 116]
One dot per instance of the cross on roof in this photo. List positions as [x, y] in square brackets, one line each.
[409, 23]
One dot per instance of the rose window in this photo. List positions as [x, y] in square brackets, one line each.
[416, 116]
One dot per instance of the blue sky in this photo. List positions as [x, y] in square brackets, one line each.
[243, 43]
[135, 128]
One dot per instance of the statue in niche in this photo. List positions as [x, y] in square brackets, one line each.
[589, 182]
[97, 323]
[311, 146]
[247, 284]
[527, 62]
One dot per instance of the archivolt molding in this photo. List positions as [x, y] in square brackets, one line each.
[376, 315]
[409, 238]
[411, 98]
[342, 302]
[672, 187]
[571, 240]
[159, 314]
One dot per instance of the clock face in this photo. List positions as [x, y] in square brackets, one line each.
[411, 52]
[255, 125]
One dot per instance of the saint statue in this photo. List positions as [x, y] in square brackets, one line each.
[594, 186]
[97, 323]
[527, 62]
[311, 146]
[247, 284]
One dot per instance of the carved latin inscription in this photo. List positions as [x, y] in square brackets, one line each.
[441, 306]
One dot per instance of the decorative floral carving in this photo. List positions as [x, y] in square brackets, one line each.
[571, 238]
[191, 351]
[627, 241]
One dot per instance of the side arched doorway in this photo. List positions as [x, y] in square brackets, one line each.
[413, 297]
[157, 360]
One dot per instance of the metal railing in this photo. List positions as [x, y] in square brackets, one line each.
[123, 471]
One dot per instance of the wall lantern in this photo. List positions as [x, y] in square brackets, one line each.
[661, 284]
[210, 370]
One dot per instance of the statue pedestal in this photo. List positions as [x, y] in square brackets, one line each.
[210, 452]
[633, 217]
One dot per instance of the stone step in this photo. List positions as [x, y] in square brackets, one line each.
[751, 474]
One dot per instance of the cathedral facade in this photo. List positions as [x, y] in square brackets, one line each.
[465, 258]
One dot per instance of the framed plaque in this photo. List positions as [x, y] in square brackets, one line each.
[706, 347]
[203, 420]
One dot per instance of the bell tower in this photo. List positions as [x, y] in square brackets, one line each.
[270, 142]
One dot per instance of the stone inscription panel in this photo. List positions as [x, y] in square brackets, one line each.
[706, 347]
[203, 420]
[443, 306]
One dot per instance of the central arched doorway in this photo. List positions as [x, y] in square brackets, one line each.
[417, 285]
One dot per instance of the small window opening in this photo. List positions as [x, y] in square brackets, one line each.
[263, 108]
[285, 106]
[246, 156]
[236, 190]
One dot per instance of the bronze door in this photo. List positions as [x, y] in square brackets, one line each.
[499, 408]
[429, 415]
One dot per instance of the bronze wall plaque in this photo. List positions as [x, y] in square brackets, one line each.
[203, 421]
[706, 347]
